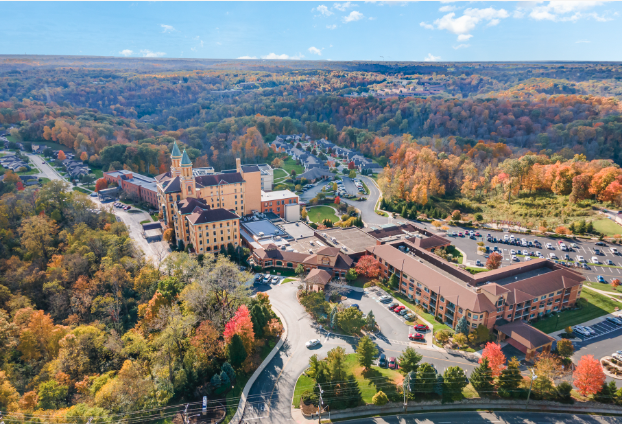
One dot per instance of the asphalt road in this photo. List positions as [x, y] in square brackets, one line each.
[510, 417]
[46, 170]
[367, 207]
[599, 346]
[271, 396]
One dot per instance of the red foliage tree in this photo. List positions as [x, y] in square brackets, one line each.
[241, 325]
[351, 165]
[61, 155]
[84, 157]
[368, 266]
[496, 358]
[588, 376]
[337, 200]
[494, 261]
[101, 184]
[615, 283]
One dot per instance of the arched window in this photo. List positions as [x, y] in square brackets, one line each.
[290, 265]
[279, 263]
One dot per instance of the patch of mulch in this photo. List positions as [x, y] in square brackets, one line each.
[308, 409]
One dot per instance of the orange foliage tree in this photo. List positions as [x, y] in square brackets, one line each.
[101, 184]
[241, 325]
[615, 283]
[368, 266]
[495, 357]
[61, 155]
[588, 376]
[494, 261]
[84, 157]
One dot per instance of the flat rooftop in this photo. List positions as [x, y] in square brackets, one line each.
[276, 195]
[307, 245]
[298, 230]
[351, 240]
[522, 276]
[254, 228]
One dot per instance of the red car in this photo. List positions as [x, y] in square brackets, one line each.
[417, 337]
[477, 234]
[392, 307]
[398, 309]
[460, 235]
[392, 363]
[421, 327]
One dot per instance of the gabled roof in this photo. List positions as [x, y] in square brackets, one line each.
[172, 186]
[495, 289]
[328, 251]
[525, 334]
[318, 276]
[189, 204]
[546, 283]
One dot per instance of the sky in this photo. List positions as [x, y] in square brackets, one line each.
[375, 31]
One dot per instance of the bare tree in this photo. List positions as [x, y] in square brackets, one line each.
[336, 287]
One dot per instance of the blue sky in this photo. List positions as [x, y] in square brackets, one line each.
[405, 31]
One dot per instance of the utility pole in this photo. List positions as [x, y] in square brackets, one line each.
[319, 409]
[185, 415]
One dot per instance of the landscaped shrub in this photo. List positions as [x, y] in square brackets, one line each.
[380, 398]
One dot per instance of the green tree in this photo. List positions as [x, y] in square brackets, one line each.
[365, 352]
[52, 395]
[370, 321]
[479, 217]
[315, 303]
[454, 380]
[443, 336]
[351, 275]
[607, 393]
[215, 381]
[226, 367]
[565, 348]
[589, 228]
[510, 378]
[409, 360]
[237, 352]
[170, 287]
[352, 173]
[426, 378]
[224, 379]
[481, 378]
[260, 315]
[336, 358]
[462, 326]
[483, 333]
[350, 320]
[300, 269]
[394, 282]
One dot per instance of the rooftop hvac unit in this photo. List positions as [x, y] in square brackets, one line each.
[260, 234]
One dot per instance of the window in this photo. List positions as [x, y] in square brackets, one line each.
[532, 315]
[460, 310]
[427, 290]
[442, 299]
[475, 316]
[469, 315]
[543, 297]
[474, 325]
[551, 294]
[559, 292]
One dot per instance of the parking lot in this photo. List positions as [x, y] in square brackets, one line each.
[599, 329]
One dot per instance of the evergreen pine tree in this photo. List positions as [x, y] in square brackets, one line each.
[237, 352]
[462, 326]
[394, 282]
[224, 379]
[481, 378]
[510, 377]
[226, 367]
[215, 381]
[426, 378]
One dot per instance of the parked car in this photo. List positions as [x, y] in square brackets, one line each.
[421, 327]
[393, 305]
[355, 305]
[312, 343]
[580, 259]
[600, 243]
[404, 312]
[580, 330]
[613, 250]
[267, 278]
[275, 279]
[385, 299]
[515, 258]
[600, 279]
[609, 262]
[392, 363]
[382, 360]
[416, 337]
[410, 317]
[258, 278]
[549, 246]
[398, 309]
[595, 260]
[614, 320]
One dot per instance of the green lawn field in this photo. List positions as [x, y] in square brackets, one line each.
[320, 213]
[290, 164]
[607, 227]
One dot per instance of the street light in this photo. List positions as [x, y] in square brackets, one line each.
[533, 377]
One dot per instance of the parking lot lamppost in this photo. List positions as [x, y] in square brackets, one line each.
[533, 377]
[557, 320]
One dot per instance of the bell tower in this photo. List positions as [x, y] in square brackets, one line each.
[175, 161]
[188, 185]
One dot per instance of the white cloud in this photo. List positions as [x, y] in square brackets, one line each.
[343, 6]
[463, 25]
[431, 58]
[167, 28]
[565, 11]
[461, 46]
[315, 50]
[126, 52]
[333, 26]
[149, 53]
[273, 56]
[323, 10]
[353, 16]
[447, 9]
[247, 57]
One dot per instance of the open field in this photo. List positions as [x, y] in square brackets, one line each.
[607, 227]
[290, 164]
[320, 213]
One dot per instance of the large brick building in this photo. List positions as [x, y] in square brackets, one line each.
[275, 201]
[136, 185]
[237, 191]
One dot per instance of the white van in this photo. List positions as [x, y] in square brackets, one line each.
[552, 256]
[595, 260]
[613, 250]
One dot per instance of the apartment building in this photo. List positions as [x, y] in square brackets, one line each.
[276, 201]
[137, 185]
[211, 229]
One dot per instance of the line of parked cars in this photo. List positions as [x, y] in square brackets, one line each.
[267, 278]
[122, 206]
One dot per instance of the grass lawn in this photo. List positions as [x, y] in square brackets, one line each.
[593, 305]
[44, 180]
[98, 173]
[279, 173]
[81, 190]
[359, 282]
[290, 164]
[605, 287]
[146, 221]
[475, 270]
[154, 217]
[436, 326]
[31, 172]
[607, 227]
[287, 280]
[320, 213]
[369, 383]
[455, 253]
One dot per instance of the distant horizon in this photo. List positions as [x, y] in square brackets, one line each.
[324, 31]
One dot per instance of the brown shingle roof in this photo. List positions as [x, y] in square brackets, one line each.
[328, 251]
[189, 204]
[525, 334]
[455, 291]
[211, 215]
[217, 179]
[430, 242]
[283, 255]
[318, 276]
[495, 289]
[546, 283]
